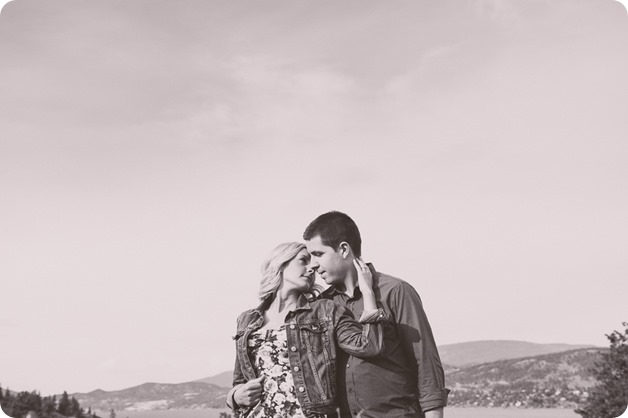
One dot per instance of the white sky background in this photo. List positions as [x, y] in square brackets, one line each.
[153, 153]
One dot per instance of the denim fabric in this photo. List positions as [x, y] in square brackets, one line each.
[315, 330]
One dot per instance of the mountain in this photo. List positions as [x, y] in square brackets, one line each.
[476, 352]
[151, 396]
[507, 378]
[223, 379]
[549, 380]
[459, 355]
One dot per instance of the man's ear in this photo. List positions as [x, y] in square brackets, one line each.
[345, 250]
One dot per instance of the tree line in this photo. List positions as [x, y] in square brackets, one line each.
[18, 405]
[609, 398]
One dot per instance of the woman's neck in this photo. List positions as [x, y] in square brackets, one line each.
[275, 315]
[284, 301]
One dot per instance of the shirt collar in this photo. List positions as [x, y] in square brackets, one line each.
[334, 291]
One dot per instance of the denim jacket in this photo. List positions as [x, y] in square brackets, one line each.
[314, 331]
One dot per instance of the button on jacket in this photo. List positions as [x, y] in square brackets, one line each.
[314, 330]
[407, 378]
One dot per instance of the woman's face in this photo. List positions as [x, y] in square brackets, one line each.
[298, 275]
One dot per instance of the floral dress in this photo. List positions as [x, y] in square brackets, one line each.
[269, 351]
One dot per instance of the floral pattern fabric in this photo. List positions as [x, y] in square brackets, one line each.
[270, 353]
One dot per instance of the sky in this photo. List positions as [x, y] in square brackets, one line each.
[152, 154]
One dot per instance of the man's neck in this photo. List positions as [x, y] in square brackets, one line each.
[350, 283]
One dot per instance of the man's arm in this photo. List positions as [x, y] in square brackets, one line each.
[416, 336]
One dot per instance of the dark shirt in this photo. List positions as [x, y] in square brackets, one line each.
[407, 379]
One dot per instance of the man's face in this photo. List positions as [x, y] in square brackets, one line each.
[327, 262]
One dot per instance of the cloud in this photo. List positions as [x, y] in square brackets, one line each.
[268, 102]
[7, 322]
[109, 363]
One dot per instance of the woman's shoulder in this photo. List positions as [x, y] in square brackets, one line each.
[246, 316]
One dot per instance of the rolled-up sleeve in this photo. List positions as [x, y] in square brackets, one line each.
[416, 336]
[371, 316]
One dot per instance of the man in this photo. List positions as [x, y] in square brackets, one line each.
[407, 379]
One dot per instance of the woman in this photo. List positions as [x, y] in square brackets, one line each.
[286, 348]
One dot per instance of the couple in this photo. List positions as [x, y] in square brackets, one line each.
[298, 356]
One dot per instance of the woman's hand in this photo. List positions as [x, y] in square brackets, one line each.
[365, 282]
[249, 393]
[365, 277]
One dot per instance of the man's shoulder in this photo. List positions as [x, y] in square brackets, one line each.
[388, 282]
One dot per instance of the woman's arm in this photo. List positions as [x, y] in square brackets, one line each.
[360, 340]
[366, 338]
[244, 393]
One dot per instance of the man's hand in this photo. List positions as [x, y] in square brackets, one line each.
[249, 393]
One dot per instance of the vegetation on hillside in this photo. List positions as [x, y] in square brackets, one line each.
[154, 396]
[559, 380]
[19, 405]
[609, 398]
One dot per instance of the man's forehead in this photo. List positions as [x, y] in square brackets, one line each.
[316, 244]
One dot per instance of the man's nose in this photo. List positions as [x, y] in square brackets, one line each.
[313, 265]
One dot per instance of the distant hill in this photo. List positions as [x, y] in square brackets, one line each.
[151, 396]
[508, 378]
[549, 380]
[223, 379]
[459, 355]
[476, 352]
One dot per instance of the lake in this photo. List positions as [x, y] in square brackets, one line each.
[450, 412]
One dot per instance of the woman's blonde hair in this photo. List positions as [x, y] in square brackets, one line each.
[274, 266]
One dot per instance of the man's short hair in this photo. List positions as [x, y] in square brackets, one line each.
[335, 227]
